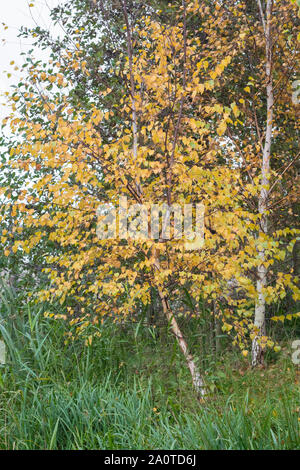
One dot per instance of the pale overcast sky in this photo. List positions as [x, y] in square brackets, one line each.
[14, 14]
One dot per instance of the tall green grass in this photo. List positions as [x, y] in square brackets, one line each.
[130, 390]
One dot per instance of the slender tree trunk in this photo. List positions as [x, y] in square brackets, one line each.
[198, 381]
[260, 307]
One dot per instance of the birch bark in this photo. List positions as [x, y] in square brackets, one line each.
[260, 307]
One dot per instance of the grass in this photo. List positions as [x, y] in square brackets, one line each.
[130, 390]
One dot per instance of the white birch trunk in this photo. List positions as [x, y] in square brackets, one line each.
[260, 307]
[198, 381]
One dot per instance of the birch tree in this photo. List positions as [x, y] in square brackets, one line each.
[260, 307]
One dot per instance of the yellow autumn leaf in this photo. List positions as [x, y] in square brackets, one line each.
[235, 109]
[222, 128]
